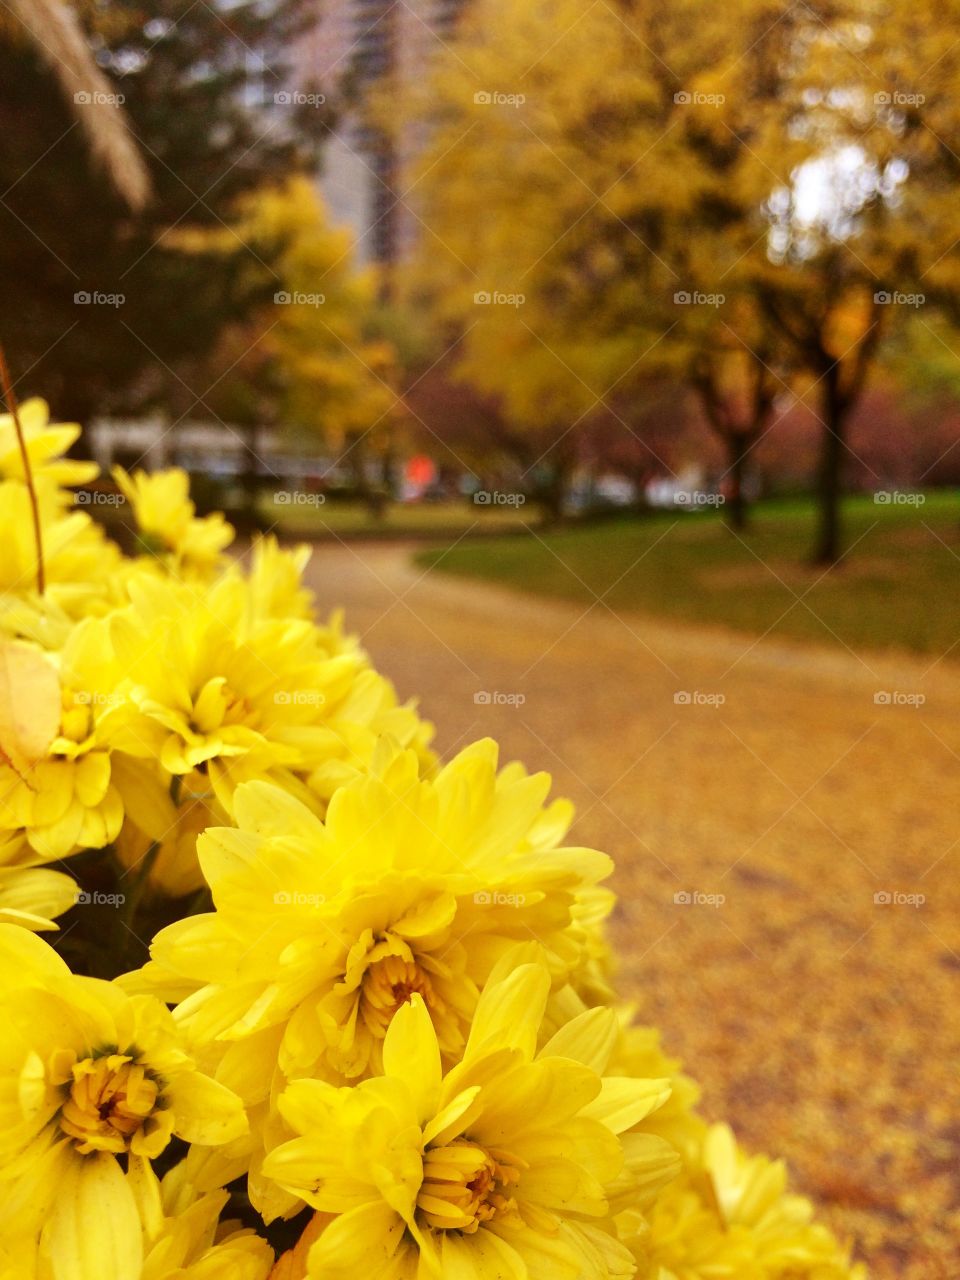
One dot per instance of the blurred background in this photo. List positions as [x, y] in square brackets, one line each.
[610, 354]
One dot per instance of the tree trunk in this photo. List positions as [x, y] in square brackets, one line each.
[827, 549]
[736, 504]
[554, 491]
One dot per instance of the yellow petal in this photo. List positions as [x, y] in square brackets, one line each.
[93, 1231]
[206, 1112]
[411, 1053]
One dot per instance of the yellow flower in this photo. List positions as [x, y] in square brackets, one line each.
[503, 1168]
[67, 800]
[168, 522]
[92, 1075]
[185, 1240]
[324, 930]
[730, 1215]
[34, 897]
[216, 688]
[46, 443]
[81, 564]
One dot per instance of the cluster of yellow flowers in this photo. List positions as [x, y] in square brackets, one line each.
[374, 1035]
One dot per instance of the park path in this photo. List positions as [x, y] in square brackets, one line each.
[819, 1002]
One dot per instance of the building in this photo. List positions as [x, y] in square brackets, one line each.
[352, 44]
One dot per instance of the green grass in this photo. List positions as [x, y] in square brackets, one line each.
[897, 587]
[408, 520]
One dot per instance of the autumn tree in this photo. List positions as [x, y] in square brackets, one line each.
[315, 357]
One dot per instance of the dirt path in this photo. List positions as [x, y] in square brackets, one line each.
[819, 1001]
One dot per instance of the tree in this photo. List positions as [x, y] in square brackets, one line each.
[110, 303]
[568, 215]
[743, 153]
[332, 374]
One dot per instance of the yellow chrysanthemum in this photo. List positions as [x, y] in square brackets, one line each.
[67, 800]
[183, 1239]
[167, 519]
[46, 443]
[34, 897]
[506, 1166]
[730, 1215]
[81, 565]
[90, 1075]
[324, 929]
[214, 687]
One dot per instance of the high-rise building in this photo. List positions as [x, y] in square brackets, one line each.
[352, 44]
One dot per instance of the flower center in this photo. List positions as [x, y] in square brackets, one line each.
[465, 1185]
[388, 983]
[109, 1101]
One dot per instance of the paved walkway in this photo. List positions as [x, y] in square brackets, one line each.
[817, 1001]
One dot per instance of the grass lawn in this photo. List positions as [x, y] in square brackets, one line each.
[400, 520]
[898, 586]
